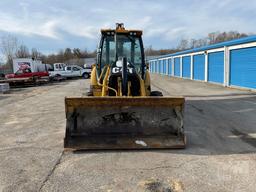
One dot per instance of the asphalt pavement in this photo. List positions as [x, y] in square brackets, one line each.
[220, 125]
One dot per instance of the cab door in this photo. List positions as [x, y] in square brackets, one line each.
[76, 71]
[68, 71]
[23, 73]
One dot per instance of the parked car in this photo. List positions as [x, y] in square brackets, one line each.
[26, 72]
[69, 71]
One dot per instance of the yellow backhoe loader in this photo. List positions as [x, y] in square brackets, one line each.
[121, 111]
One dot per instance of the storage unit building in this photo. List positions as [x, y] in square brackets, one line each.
[231, 63]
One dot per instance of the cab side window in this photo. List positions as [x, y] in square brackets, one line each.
[76, 69]
[27, 71]
[108, 51]
[19, 72]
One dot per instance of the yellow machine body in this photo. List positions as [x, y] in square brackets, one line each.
[121, 111]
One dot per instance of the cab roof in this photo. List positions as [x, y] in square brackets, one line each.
[120, 29]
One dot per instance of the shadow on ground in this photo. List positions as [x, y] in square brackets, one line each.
[215, 127]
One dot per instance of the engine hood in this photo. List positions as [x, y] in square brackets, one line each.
[8, 76]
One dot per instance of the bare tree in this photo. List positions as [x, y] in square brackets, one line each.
[60, 56]
[184, 44]
[212, 37]
[8, 47]
[149, 51]
[193, 43]
[201, 42]
[68, 54]
[77, 52]
[22, 52]
[35, 53]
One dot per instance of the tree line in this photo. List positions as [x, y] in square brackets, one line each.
[185, 44]
[66, 55]
[11, 48]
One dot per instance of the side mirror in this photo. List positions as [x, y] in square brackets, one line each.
[147, 66]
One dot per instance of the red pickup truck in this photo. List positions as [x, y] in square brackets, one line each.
[26, 73]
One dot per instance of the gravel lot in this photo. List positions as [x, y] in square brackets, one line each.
[220, 156]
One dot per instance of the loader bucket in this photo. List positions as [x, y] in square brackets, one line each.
[124, 123]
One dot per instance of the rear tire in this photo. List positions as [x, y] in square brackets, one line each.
[156, 93]
[86, 76]
[35, 80]
[89, 93]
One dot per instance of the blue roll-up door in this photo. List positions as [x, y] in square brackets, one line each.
[216, 67]
[243, 67]
[161, 69]
[164, 66]
[169, 67]
[162, 61]
[159, 66]
[186, 66]
[177, 67]
[155, 67]
[199, 67]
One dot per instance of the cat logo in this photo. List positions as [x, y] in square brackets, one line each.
[119, 70]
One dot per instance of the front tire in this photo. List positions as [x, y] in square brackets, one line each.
[57, 77]
[156, 93]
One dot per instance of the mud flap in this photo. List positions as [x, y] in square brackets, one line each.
[124, 122]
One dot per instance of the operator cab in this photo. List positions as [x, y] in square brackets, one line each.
[118, 44]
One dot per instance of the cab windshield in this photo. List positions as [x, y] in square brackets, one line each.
[126, 46]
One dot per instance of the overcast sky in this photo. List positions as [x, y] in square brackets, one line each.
[50, 25]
